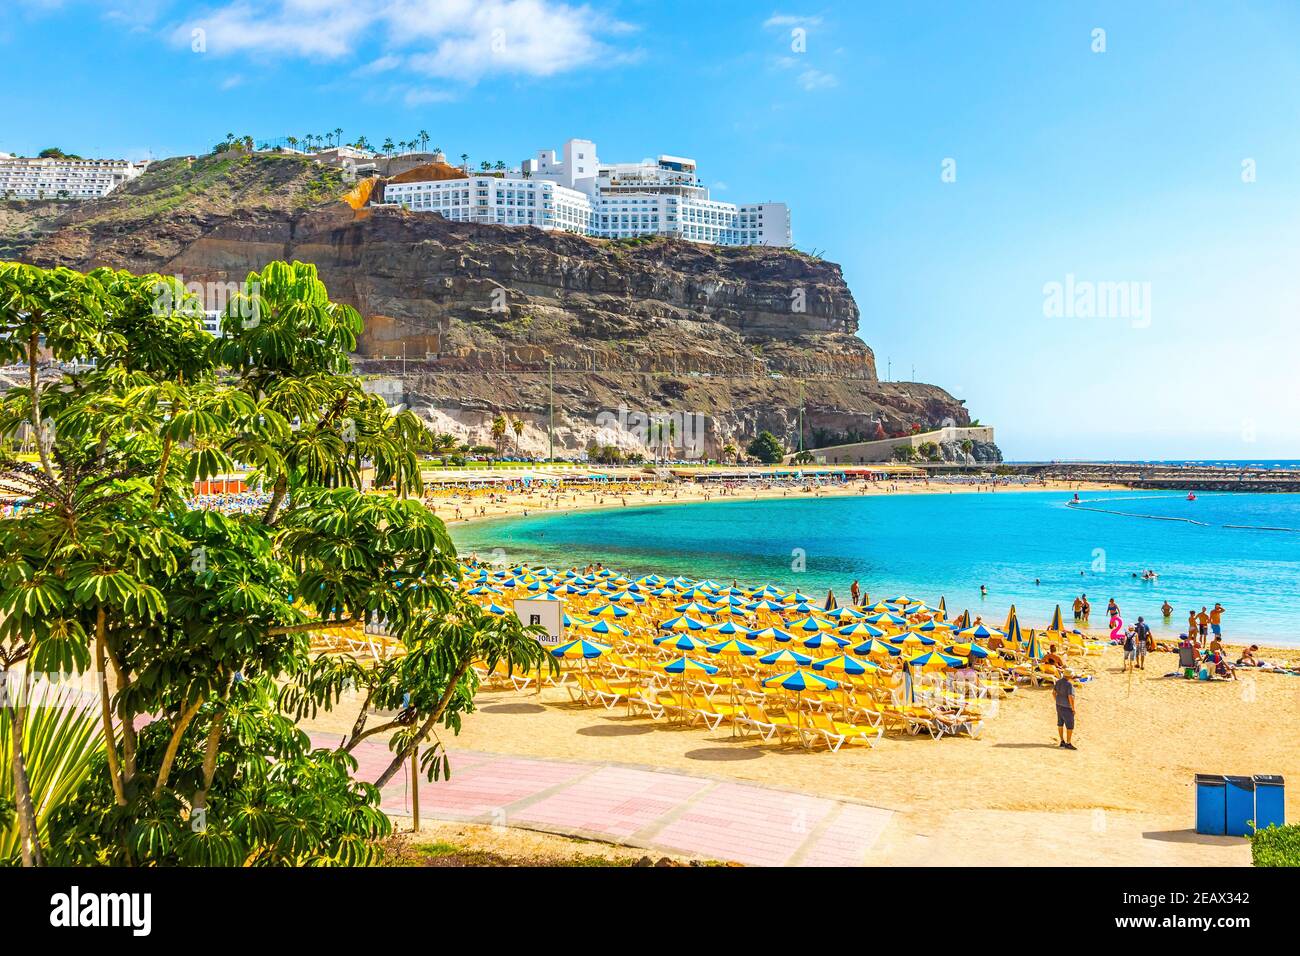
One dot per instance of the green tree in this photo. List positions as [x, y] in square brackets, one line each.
[201, 617]
[499, 428]
[766, 448]
[517, 426]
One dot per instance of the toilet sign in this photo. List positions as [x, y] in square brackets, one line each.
[549, 614]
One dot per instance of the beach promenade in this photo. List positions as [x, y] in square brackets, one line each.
[649, 808]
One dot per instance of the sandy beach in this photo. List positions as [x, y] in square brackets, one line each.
[1011, 797]
[463, 507]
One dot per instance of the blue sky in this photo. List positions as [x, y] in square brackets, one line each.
[1170, 161]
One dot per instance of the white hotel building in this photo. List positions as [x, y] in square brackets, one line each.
[61, 178]
[578, 193]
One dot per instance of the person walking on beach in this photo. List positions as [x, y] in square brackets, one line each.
[1112, 609]
[1063, 693]
[1141, 637]
[855, 594]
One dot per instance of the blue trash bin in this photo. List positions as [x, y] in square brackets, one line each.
[1240, 805]
[1211, 803]
[1270, 801]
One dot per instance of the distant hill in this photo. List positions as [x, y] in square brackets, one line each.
[743, 336]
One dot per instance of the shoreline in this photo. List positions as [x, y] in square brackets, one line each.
[525, 505]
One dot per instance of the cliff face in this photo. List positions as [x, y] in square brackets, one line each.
[481, 314]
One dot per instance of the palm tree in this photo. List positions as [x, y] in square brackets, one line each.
[500, 165]
[967, 446]
[518, 427]
[292, 141]
[424, 139]
[672, 433]
[499, 430]
[464, 161]
[338, 136]
[388, 145]
[730, 451]
[485, 165]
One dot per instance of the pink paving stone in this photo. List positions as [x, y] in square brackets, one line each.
[486, 788]
[848, 838]
[614, 801]
[746, 824]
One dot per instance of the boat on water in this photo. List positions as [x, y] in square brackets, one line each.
[1191, 496]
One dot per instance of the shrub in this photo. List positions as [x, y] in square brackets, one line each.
[1276, 846]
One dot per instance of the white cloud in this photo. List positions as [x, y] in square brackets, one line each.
[422, 96]
[790, 20]
[232, 81]
[450, 39]
[813, 80]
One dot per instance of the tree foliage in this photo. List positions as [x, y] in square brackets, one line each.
[197, 625]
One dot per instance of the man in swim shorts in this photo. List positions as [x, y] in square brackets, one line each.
[1203, 624]
[1063, 692]
[1216, 619]
[1141, 634]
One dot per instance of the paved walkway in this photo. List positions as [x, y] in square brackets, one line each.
[638, 806]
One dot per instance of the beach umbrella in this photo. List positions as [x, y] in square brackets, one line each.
[652, 579]
[484, 589]
[1034, 649]
[496, 609]
[845, 614]
[680, 642]
[845, 665]
[682, 622]
[803, 607]
[1057, 623]
[1014, 637]
[688, 665]
[626, 595]
[605, 626]
[794, 597]
[943, 608]
[908, 637]
[545, 597]
[786, 657]
[733, 648]
[694, 607]
[809, 625]
[575, 621]
[766, 605]
[1010, 614]
[729, 628]
[968, 650]
[979, 632]
[609, 610]
[875, 648]
[578, 650]
[822, 639]
[797, 681]
[773, 634]
[885, 617]
[963, 620]
[880, 607]
[860, 629]
[800, 680]
[934, 659]
[930, 627]
[831, 603]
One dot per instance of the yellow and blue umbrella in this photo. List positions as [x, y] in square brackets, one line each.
[934, 659]
[688, 665]
[609, 610]
[680, 642]
[1057, 623]
[496, 609]
[605, 627]
[930, 626]
[968, 650]
[817, 641]
[682, 622]
[800, 680]
[733, 648]
[729, 628]
[845, 665]
[695, 607]
[773, 634]
[808, 625]
[979, 632]
[794, 597]
[786, 656]
[875, 648]
[860, 629]
[579, 649]
[907, 637]
[886, 617]
[845, 613]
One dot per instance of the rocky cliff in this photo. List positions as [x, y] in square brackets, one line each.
[465, 321]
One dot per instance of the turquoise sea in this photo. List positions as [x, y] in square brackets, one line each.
[928, 545]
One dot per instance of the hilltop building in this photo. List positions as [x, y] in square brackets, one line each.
[574, 191]
[62, 177]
